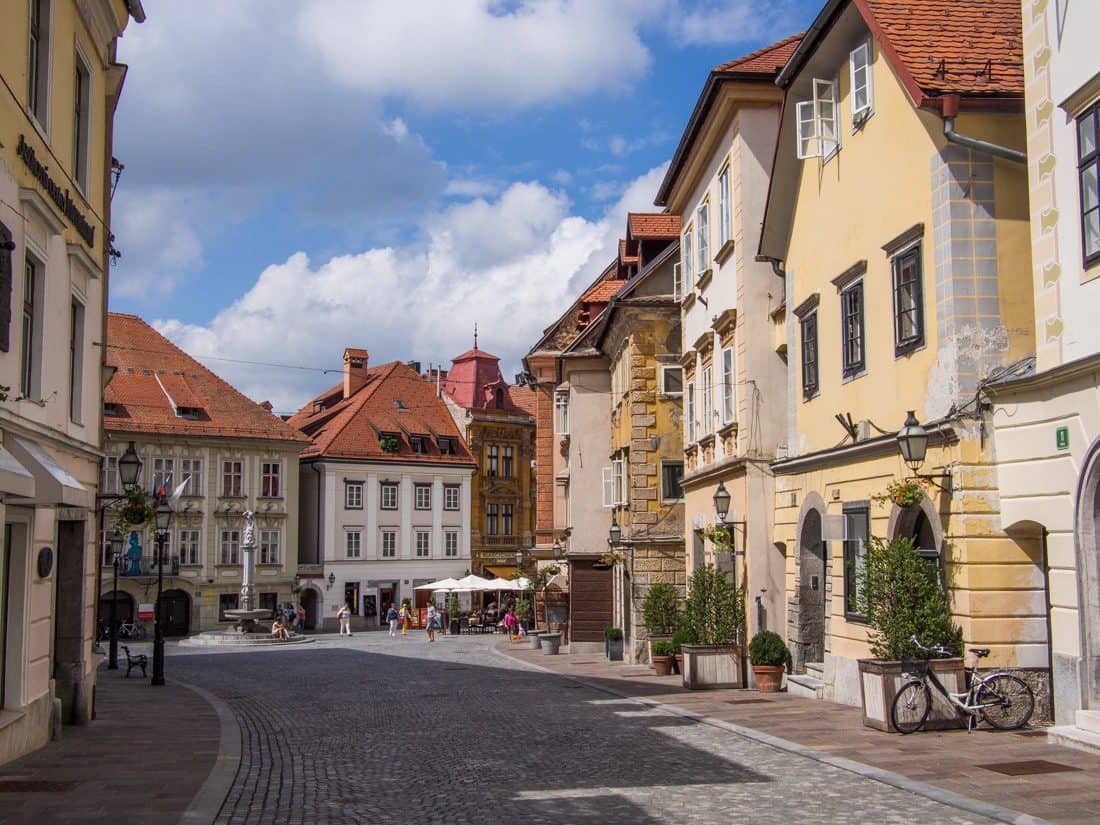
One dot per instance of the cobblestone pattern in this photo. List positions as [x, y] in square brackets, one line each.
[399, 731]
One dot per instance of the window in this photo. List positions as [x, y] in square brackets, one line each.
[29, 367]
[708, 400]
[687, 259]
[232, 479]
[389, 544]
[1088, 164]
[492, 526]
[231, 547]
[608, 487]
[7, 245]
[191, 472]
[672, 473]
[809, 356]
[353, 495]
[506, 520]
[106, 556]
[506, 454]
[672, 380]
[109, 483]
[226, 601]
[423, 544]
[856, 530]
[561, 413]
[451, 496]
[618, 482]
[677, 281]
[38, 61]
[76, 362]
[908, 303]
[450, 544]
[492, 451]
[164, 474]
[423, 496]
[689, 416]
[817, 135]
[859, 65]
[353, 544]
[389, 495]
[190, 547]
[269, 547]
[165, 543]
[851, 322]
[447, 446]
[727, 385]
[81, 114]
[702, 217]
[724, 206]
[419, 444]
[271, 479]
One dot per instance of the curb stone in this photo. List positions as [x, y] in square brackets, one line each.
[945, 797]
[207, 802]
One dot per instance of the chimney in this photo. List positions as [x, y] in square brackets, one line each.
[355, 370]
[267, 405]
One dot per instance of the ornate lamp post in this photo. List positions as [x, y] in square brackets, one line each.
[557, 549]
[722, 509]
[615, 534]
[913, 446]
[164, 520]
[116, 556]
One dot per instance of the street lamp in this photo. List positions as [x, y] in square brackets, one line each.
[722, 509]
[519, 559]
[129, 468]
[557, 549]
[116, 556]
[164, 520]
[615, 534]
[913, 446]
[331, 581]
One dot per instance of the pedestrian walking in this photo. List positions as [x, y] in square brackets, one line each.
[301, 618]
[344, 615]
[391, 617]
[405, 615]
[510, 624]
[433, 622]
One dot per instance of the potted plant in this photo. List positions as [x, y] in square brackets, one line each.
[662, 657]
[388, 443]
[901, 597]
[137, 508]
[613, 643]
[661, 612]
[905, 493]
[769, 656]
[523, 613]
[714, 617]
[679, 639]
[453, 610]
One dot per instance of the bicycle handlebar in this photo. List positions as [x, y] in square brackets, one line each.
[937, 649]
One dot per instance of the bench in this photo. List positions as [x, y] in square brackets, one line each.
[141, 660]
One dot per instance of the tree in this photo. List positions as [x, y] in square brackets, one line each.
[714, 612]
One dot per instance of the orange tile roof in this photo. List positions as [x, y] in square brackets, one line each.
[624, 254]
[154, 378]
[524, 398]
[602, 292]
[766, 61]
[653, 225]
[351, 427]
[946, 46]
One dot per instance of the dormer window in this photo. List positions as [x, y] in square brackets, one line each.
[419, 444]
[389, 442]
[113, 409]
[447, 446]
[190, 413]
[397, 402]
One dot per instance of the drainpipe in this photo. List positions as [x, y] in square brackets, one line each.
[777, 265]
[1050, 634]
[949, 111]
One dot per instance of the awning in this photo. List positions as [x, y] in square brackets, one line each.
[52, 482]
[502, 572]
[15, 479]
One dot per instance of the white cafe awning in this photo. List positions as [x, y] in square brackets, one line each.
[53, 483]
[15, 479]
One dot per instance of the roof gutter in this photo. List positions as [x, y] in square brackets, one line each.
[949, 111]
[136, 10]
[777, 265]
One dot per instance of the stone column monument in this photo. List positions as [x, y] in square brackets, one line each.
[248, 613]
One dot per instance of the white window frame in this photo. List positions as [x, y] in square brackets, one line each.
[353, 495]
[452, 497]
[450, 544]
[422, 496]
[229, 550]
[729, 368]
[190, 545]
[561, 412]
[76, 360]
[619, 482]
[825, 113]
[422, 547]
[724, 219]
[677, 281]
[708, 399]
[665, 369]
[687, 259]
[269, 547]
[808, 145]
[702, 221]
[608, 487]
[388, 488]
[191, 470]
[388, 537]
[164, 473]
[266, 474]
[689, 412]
[353, 544]
[109, 482]
[862, 52]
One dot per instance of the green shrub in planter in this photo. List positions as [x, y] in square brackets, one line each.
[715, 610]
[680, 638]
[661, 609]
[613, 634]
[768, 648]
[663, 648]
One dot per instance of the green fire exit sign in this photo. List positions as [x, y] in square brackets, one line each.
[1061, 437]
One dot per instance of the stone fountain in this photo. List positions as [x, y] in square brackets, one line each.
[250, 619]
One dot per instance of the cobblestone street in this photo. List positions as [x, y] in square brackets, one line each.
[394, 730]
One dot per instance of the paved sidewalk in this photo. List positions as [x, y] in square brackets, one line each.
[961, 763]
[142, 760]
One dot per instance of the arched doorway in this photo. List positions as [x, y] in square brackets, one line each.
[176, 612]
[309, 602]
[1087, 526]
[921, 523]
[125, 608]
[811, 590]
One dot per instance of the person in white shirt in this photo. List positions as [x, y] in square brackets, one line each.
[344, 615]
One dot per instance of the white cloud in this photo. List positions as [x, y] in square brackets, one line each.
[418, 301]
[480, 54]
[469, 188]
[737, 21]
[158, 241]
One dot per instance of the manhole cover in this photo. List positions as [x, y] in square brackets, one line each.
[34, 786]
[1028, 767]
[746, 701]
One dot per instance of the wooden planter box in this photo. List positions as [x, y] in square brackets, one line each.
[879, 682]
[711, 666]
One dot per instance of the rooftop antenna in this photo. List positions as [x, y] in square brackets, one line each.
[475, 334]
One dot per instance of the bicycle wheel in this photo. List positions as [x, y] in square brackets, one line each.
[911, 707]
[1007, 701]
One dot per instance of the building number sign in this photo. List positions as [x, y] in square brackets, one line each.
[1061, 438]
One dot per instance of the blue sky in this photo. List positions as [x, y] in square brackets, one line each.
[380, 174]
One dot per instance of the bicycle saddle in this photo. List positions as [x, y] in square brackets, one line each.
[980, 652]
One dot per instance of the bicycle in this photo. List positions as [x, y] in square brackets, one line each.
[130, 630]
[1002, 699]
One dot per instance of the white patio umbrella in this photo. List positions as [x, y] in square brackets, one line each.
[472, 582]
[443, 584]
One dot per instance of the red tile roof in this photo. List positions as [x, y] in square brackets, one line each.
[766, 61]
[154, 379]
[624, 254]
[643, 225]
[524, 398]
[474, 379]
[946, 46]
[351, 427]
[602, 292]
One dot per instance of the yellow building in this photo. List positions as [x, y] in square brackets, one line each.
[898, 210]
[61, 83]
[639, 334]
